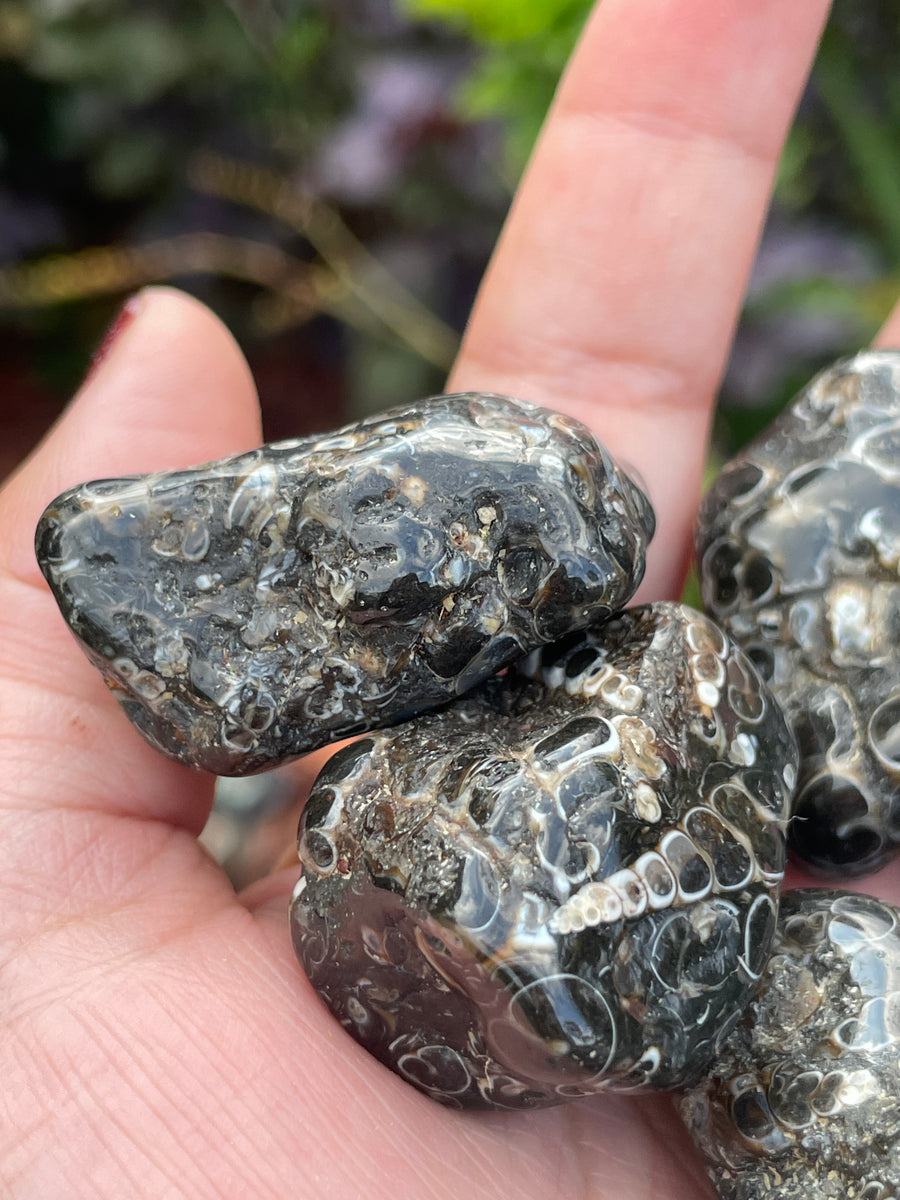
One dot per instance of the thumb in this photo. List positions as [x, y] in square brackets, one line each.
[171, 389]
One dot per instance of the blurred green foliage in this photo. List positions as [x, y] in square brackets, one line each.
[523, 49]
[864, 112]
[502, 22]
[104, 105]
[134, 81]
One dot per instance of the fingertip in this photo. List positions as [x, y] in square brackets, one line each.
[169, 387]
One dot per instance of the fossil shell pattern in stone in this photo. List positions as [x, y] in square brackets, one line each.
[798, 543]
[803, 1101]
[563, 882]
[252, 609]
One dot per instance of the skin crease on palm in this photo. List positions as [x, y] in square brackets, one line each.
[157, 1038]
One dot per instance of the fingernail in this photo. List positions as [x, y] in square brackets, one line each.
[120, 322]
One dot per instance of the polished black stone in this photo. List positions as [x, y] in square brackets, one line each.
[250, 610]
[798, 542]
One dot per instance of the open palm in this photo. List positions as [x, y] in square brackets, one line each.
[157, 1037]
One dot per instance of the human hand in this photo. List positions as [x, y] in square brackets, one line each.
[158, 1038]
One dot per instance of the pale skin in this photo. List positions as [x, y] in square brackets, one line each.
[158, 1039]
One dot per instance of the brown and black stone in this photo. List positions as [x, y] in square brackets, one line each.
[803, 1099]
[563, 882]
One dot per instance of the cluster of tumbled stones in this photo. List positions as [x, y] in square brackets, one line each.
[565, 879]
[799, 545]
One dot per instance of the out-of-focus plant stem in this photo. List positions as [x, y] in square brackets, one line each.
[349, 283]
[302, 290]
[358, 270]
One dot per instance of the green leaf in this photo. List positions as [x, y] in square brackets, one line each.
[497, 20]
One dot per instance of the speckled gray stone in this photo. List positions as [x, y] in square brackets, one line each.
[252, 609]
[799, 546]
[803, 1100]
[562, 882]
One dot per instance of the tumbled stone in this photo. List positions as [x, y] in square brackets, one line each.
[799, 546]
[252, 609]
[803, 1099]
[562, 882]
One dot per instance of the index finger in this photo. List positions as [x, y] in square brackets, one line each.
[614, 289]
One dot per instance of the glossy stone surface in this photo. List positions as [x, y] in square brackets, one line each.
[803, 1100]
[799, 545]
[562, 882]
[252, 609]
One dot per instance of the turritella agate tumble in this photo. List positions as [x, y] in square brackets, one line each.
[803, 1099]
[799, 548]
[566, 880]
[255, 608]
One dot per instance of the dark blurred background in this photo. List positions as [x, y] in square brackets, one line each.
[331, 176]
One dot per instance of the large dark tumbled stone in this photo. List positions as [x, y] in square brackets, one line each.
[803, 1099]
[798, 542]
[559, 883]
[257, 607]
